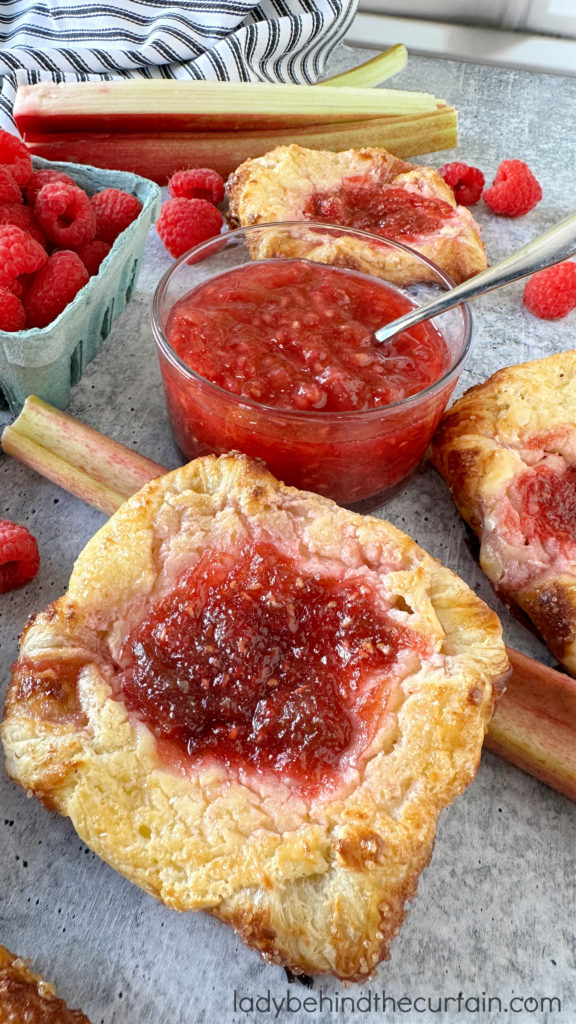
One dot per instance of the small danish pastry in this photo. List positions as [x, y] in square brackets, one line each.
[360, 188]
[25, 998]
[507, 450]
[255, 703]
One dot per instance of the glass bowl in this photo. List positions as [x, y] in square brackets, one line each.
[359, 458]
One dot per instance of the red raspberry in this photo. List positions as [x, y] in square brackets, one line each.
[19, 557]
[197, 183]
[9, 187]
[114, 211]
[54, 286]
[23, 217]
[41, 178]
[184, 223]
[20, 285]
[514, 191]
[19, 253]
[92, 253]
[64, 213]
[12, 315]
[551, 293]
[466, 182]
[15, 156]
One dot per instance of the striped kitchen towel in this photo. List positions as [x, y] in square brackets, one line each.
[235, 40]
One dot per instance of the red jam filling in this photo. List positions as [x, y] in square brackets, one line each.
[548, 502]
[362, 203]
[299, 335]
[261, 666]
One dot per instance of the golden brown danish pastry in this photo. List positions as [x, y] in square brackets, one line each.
[25, 998]
[255, 703]
[507, 450]
[363, 188]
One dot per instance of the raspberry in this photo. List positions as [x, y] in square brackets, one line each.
[514, 191]
[19, 253]
[92, 253]
[20, 285]
[41, 178]
[64, 213]
[114, 211]
[184, 223]
[15, 156]
[551, 293]
[22, 216]
[12, 315]
[19, 557]
[197, 183]
[9, 188]
[54, 286]
[466, 182]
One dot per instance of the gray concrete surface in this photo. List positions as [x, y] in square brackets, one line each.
[494, 918]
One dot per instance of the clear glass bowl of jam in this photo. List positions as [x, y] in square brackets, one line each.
[265, 338]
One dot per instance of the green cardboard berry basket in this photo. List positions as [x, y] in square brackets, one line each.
[48, 361]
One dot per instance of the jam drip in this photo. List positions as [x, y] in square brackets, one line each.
[262, 666]
[299, 335]
[384, 210]
[548, 501]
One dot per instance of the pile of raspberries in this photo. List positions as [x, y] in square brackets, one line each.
[53, 236]
[191, 216]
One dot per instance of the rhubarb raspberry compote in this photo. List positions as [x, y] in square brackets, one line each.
[276, 357]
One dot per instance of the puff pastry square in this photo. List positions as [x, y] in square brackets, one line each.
[507, 450]
[25, 998]
[293, 183]
[312, 866]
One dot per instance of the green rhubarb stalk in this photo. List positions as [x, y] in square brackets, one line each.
[100, 471]
[372, 72]
[136, 105]
[158, 155]
[534, 724]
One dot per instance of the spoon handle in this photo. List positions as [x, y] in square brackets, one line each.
[554, 245]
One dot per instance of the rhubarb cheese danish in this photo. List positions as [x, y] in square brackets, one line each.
[369, 189]
[507, 450]
[255, 703]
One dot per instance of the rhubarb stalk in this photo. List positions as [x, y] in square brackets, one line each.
[158, 155]
[374, 71]
[534, 725]
[136, 105]
[100, 471]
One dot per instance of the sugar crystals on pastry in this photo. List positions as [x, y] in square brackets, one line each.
[26, 998]
[255, 703]
[507, 450]
[369, 189]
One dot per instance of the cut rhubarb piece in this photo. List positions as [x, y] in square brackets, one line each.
[135, 105]
[158, 155]
[534, 724]
[374, 71]
[100, 471]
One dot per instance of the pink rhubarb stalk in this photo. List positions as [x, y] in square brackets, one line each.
[157, 155]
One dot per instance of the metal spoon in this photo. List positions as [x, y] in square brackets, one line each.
[555, 245]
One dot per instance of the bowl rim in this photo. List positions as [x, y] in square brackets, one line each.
[307, 414]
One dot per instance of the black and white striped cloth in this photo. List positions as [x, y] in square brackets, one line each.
[235, 40]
